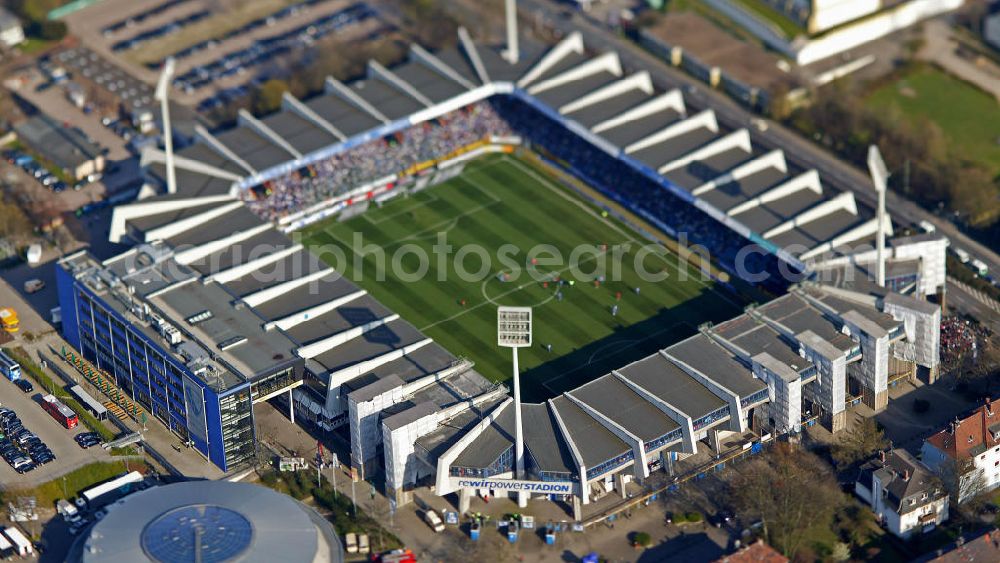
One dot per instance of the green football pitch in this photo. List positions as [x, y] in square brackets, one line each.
[582, 329]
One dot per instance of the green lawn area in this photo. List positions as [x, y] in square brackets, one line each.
[73, 482]
[784, 24]
[967, 115]
[502, 200]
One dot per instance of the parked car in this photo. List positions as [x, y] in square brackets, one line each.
[25, 385]
[33, 286]
[351, 542]
[433, 520]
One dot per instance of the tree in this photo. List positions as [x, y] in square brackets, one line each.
[790, 491]
[14, 224]
[267, 98]
[859, 443]
[965, 484]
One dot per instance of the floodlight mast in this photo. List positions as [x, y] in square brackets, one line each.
[162, 88]
[880, 177]
[514, 331]
[513, 53]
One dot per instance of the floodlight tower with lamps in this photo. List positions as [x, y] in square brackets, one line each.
[162, 88]
[514, 331]
[880, 178]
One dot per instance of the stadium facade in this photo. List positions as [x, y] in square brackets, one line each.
[215, 295]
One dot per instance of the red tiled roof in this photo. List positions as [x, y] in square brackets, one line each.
[757, 552]
[985, 547]
[969, 434]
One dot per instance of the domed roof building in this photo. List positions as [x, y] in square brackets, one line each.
[209, 522]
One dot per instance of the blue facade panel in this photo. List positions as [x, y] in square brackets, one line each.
[67, 306]
[114, 345]
[216, 448]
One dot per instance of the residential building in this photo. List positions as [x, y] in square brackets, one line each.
[905, 495]
[980, 547]
[968, 450]
[757, 552]
[991, 25]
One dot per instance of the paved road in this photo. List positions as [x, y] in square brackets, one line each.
[966, 300]
[798, 150]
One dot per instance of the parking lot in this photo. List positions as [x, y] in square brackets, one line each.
[68, 455]
[221, 51]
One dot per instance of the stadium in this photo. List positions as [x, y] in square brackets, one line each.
[242, 282]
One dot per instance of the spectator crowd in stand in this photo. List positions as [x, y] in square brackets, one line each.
[960, 339]
[332, 177]
[504, 116]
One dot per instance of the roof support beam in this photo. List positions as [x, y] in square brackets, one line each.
[262, 296]
[735, 410]
[442, 481]
[473, 54]
[573, 43]
[393, 79]
[671, 100]
[735, 140]
[243, 269]
[244, 117]
[702, 120]
[153, 154]
[340, 377]
[314, 349]
[806, 181]
[198, 252]
[638, 446]
[843, 201]
[188, 223]
[773, 159]
[304, 315]
[294, 105]
[688, 443]
[637, 81]
[574, 451]
[864, 230]
[122, 213]
[221, 149]
[437, 65]
[608, 62]
[334, 86]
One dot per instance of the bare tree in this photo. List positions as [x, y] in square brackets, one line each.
[790, 491]
[965, 484]
[859, 443]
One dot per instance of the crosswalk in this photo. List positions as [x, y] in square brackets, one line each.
[978, 295]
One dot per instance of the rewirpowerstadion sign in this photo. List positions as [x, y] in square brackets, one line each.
[514, 485]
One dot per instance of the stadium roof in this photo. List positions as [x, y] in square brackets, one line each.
[699, 158]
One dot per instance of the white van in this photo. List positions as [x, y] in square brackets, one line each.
[433, 520]
[351, 542]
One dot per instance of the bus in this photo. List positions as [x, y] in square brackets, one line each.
[59, 411]
[10, 369]
[121, 485]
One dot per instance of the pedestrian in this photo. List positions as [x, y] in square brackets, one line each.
[637, 290]
[614, 310]
[559, 296]
[548, 348]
